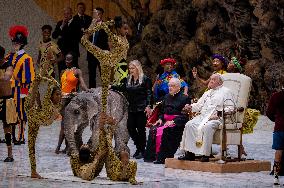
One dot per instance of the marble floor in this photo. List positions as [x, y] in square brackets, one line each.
[57, 173]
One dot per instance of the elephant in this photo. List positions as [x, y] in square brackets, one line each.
[84, 110]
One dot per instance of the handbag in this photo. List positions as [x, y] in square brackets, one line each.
[154, 116]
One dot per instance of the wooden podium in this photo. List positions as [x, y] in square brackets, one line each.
[214, 167]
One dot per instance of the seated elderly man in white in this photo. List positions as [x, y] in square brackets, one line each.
[198, 133]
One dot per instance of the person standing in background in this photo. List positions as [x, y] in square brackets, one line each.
[275, 112]
[48, 48]
[83, 19]
[71, 79]
[161, 87]
[68, 33]
[8, 113]
[100, 39]
[23, 75]
[138, 91]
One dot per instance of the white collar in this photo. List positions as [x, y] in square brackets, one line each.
[218, 87]
[70, 21]
[80, 15]
[20, 52]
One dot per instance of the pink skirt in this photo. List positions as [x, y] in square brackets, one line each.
[160, 130]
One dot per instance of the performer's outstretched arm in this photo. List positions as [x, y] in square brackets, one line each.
[132, 172]
[32, 135]
[75, 163]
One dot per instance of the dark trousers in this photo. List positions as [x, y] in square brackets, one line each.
[136, 128]
[170, 142]
[150, 153]
[92, 67]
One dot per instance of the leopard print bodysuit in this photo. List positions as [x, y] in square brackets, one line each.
[91, 169]
[107, 59]
[116, 171]
[37, 115]
[46, 64]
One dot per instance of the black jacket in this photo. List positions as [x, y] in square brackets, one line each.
[138, 95]
[101, 41]
[69, 37]
[173, 105]
[85, 22]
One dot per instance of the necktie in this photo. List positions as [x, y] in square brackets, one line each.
[82, 21]
[95, 37]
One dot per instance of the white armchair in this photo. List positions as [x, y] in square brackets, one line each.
[240, 85]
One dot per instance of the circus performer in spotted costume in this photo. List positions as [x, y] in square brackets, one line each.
[87, 164]
[108, 59]
[41, 114]
[117, 169]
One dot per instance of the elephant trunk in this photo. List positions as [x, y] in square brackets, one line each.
[70, 128]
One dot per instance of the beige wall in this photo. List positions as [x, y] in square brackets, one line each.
[54, 7]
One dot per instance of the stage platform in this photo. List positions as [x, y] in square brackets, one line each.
[214, 167]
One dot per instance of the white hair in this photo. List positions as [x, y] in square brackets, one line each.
[138, 65]
[175, 81]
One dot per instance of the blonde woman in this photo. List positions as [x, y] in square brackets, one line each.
[138, 90]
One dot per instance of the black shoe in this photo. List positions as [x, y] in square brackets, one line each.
[17, 142]
[136, 153]
[2, 141]
[9, 159]
[139, 156]
[189, 156]
[23, 142]
[159, 162]
[204, 159]
[148, 160]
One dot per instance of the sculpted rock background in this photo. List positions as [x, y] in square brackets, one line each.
[191, 31]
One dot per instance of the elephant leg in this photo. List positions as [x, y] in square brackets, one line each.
[32, 135]
[121, 135]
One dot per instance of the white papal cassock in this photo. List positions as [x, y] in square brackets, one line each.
[200, 128]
